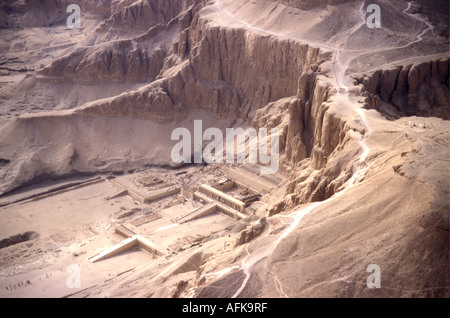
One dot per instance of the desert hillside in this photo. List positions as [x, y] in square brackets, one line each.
[88, 184]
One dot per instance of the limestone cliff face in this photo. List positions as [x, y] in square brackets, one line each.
[117, 62]
[156, 24]
[191, 64]
[152, 103]
[228, 72]
[419, 89]
[189, 68]
[319, 146]
[231, 73]
[144, 14]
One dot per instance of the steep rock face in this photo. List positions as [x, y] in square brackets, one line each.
[271, 83]
[318, 148]
[135, 60]
[305, 132]
[247, 64]
[144, 14]
[152, 103]
[230, 73]
[233, 73]
[120, 61]
[416, 89]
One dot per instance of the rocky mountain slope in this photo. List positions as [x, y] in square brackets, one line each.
[362, 114]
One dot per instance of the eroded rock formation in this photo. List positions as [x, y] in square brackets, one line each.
[416, 89]
[171, 62]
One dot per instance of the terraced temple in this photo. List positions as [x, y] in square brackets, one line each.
[86, 150]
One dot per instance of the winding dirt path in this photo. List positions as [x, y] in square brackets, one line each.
[340, 65]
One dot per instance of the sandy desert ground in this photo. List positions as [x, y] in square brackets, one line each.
[86, 117]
